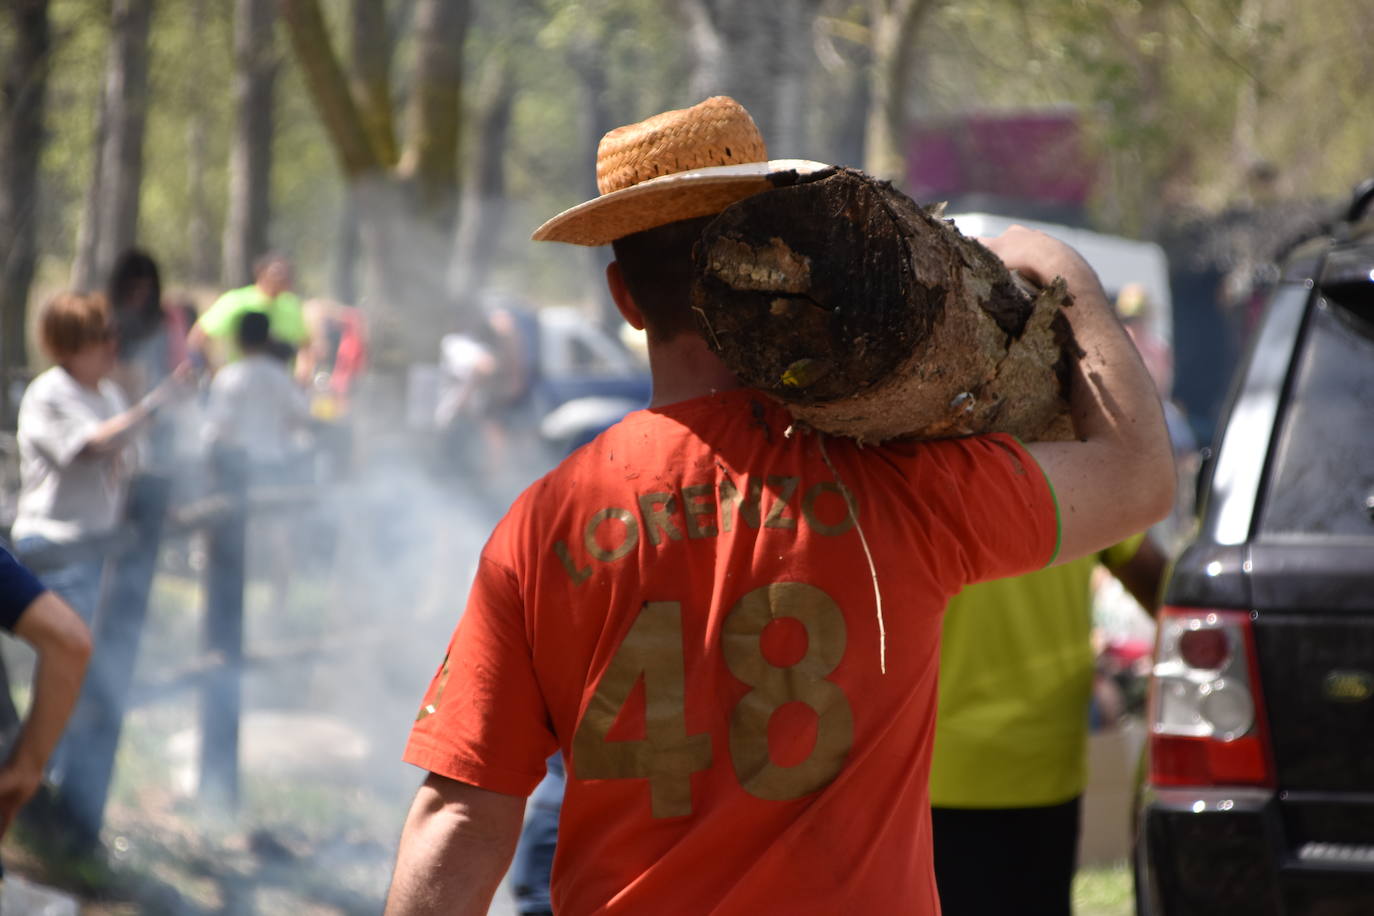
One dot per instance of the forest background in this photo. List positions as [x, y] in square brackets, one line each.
[401, 152]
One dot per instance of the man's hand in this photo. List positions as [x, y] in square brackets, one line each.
[174, 387]
[1120, 478]
[19, 779]
[1040, 258]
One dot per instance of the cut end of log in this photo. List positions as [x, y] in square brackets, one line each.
[871, 317]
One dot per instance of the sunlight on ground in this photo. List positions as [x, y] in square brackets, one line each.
[1103, 891]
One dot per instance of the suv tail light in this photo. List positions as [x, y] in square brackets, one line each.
[1207, 724]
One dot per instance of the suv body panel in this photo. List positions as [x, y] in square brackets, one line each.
[1285, 532]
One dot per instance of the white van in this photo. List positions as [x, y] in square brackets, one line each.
[1118, 261]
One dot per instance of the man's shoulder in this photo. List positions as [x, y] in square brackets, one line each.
[239, 297]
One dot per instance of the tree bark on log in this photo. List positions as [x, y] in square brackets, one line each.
[871, 317]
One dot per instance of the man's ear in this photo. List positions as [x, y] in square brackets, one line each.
[621, 294]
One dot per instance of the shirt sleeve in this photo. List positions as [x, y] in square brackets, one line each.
[218, 320]
[998, 506]
[18, 589]
[483, 720]
[56, 426]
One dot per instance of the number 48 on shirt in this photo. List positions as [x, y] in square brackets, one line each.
[667, 756]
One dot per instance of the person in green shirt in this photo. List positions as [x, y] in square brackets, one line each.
[213, 337]
[1010, 759]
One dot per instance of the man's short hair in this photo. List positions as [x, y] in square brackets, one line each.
[69, 322]
[253, 330]
[657, 267]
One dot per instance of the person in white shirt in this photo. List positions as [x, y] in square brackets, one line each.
[77, 448]
[255, 405]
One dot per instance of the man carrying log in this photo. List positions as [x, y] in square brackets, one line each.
[729, 624]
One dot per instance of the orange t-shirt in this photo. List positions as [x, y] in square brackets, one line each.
[685, 608]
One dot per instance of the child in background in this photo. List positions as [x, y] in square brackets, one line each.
[254, 405]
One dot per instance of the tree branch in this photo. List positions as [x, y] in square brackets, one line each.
[370, 80]
[431, 149]
[328, 86]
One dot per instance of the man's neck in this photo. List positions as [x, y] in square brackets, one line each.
[684, 368]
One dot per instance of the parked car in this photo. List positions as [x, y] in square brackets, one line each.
[1259, 797]
[580, 358]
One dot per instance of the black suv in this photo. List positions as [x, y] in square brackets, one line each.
[1259, 797]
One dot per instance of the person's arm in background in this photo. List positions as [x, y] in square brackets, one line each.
[197, 344]
[215, 323]
[456, 846]
[1143, 574]
[1119, 478]
[63, 645]
[305, 363]
[112, 434]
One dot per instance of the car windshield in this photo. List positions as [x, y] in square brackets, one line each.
[1322, 471]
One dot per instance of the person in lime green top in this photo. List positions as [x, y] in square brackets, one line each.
[214, 335]
[1010, 759]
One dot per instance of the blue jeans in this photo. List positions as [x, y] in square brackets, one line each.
[534, 853]
[76, 577]
[76, 580]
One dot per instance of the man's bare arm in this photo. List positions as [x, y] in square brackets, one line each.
[1119, 479]
[1143, 574]
[63, 646]
[456, 846]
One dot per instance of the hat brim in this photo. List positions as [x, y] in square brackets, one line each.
[669, 198]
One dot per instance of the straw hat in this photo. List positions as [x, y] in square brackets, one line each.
[676, 165]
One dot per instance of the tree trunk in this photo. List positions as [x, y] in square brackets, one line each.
[795, 61]
[343, 273]
[404, 283]
[328, 87]
[21, 142]
[595, 122]
[250, 157]
[370, 81]
[430, 158]
[126, 101]
[893, 27]
[405, 211]
[200, 229]
[872, 318]
[760, 55]
[204, 268]
[478, 238]
[88, 232]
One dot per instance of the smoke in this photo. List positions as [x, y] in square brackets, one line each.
[352, 589]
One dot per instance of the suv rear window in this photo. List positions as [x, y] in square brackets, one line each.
[1322, 468]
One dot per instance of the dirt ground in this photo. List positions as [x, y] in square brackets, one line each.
[333, 675]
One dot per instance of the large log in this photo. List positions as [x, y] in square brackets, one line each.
[873, 318]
